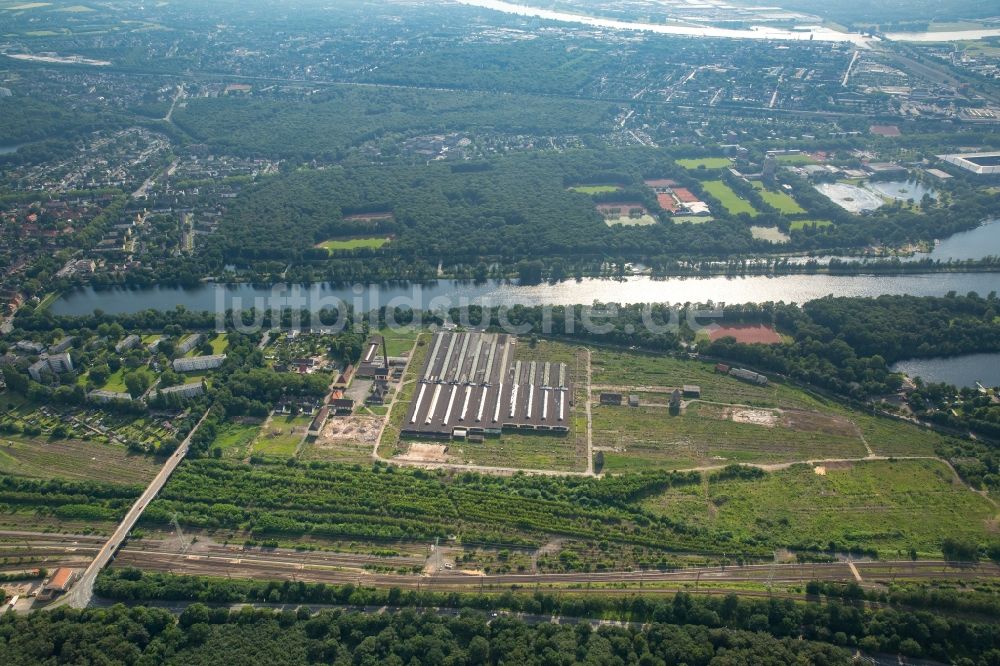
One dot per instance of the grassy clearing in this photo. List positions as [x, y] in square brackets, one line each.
[802, 224]
[771, 234]
[705, 162]
[784, 203]
[398, 341]
[889, 506]
[594, 189]
[367, 243]
[732, 201]
[281, 437]
[219, 343]
[116, 381]
[235, 439]
[73, 459]
[49, 299]
[888, 437]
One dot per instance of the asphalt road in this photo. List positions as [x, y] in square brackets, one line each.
[80, 594]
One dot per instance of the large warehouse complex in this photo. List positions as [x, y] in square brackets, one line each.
[471, 384]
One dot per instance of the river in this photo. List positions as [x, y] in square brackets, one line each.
[806, 33]
[963, 370]
[801, 33]
[635, 289]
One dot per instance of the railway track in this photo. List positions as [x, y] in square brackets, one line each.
[236, 561]
[280, 567]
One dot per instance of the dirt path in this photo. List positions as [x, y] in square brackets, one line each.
[590, 417]
[396, 398]
[178, 97]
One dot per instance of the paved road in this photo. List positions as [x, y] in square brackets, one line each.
[79, 596]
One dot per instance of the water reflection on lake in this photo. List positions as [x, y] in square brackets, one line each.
[959, 370]
[636, 289]
[978, 243]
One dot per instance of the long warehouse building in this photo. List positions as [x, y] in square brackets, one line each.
[471, 383]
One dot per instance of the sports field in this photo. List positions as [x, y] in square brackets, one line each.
[732, 201]
[628, 214]
[594, 189]
[782, 202]
[366, 243]
[796, 160]
[705, 162]
[747, 334]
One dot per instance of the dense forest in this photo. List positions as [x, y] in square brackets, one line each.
[507, 209]
[325, 124]
[840, 619]
[202, 635]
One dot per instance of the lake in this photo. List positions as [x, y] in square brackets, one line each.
[9, 149]
[901, 190]
[450, 293]
[959, 370]
[978, 243]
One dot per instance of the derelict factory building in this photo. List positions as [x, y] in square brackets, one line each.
[471, 383]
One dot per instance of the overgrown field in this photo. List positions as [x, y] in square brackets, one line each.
[336, 501]
[889, 507]
[733, 421]
[281, 436]
[46, 458]
[707, 434]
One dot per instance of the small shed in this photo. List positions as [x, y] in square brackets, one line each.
[675, 398]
